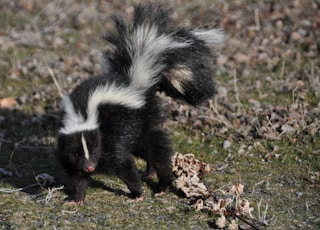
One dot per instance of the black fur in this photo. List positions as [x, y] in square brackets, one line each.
[123, 131]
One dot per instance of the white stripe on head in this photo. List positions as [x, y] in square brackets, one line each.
[85, 147]
[73, 121]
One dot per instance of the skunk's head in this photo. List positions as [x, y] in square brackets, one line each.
[79, 151]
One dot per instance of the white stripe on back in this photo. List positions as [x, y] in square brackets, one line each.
[145, 47]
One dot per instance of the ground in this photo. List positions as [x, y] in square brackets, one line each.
[261, 130]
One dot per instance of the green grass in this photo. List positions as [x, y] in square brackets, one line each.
[276, 182]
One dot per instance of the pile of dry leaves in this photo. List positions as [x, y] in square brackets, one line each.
[189, 173]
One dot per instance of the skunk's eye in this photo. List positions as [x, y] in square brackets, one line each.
[75, 154]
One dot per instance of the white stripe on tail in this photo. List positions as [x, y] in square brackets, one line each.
[145, 47]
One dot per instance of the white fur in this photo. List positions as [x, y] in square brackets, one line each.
[214, 37]
[110, 93]
[85, 147]
[178, 76]
[74, 122]
[146, 47]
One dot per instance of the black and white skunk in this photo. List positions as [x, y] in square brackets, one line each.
[111, 118]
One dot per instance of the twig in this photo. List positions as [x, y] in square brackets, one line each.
[220, 117]
[49, 28]
[7, 190]
[262, 218]
[11, 157]
[219, 189]
[50, 193]
[236, 89]
[55, 81]
[38, 46]
[241, 218]
[283, 68]
[314, 81]
[257, 19]
[20, 146]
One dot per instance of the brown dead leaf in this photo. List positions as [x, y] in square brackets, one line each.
[188, 172]
[233, 225]
[237, 189]
[198, 205]
[221, 222]
[7, 103]
[245, 209]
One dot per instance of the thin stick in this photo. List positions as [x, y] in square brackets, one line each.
[257, 19]
[220, 117]
[242, 219]
[283, 67]
[55, 81]
[7, 190]
[235, 83]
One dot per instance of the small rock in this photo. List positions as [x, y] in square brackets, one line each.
[222, 167]
[57, 42]
[222, 91]
[300, 83]
[241, 151]
[197, 124]
[5, 172]
[302, 32]
[244, 227]
[279, 24]
[226, 144]
[295, 36]
[288, 129]
[255, 103]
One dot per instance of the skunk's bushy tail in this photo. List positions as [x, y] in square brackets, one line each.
[152, 52]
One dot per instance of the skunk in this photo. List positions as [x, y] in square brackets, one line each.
[110, 119]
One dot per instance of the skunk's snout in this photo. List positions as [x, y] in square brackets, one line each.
[90, 168]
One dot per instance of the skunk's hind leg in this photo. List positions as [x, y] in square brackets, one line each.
[158, 153]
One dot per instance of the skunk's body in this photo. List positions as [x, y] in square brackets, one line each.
[109, 119]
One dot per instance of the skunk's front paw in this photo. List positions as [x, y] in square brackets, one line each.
[137, 199]
[74, 202]
[157, 194]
